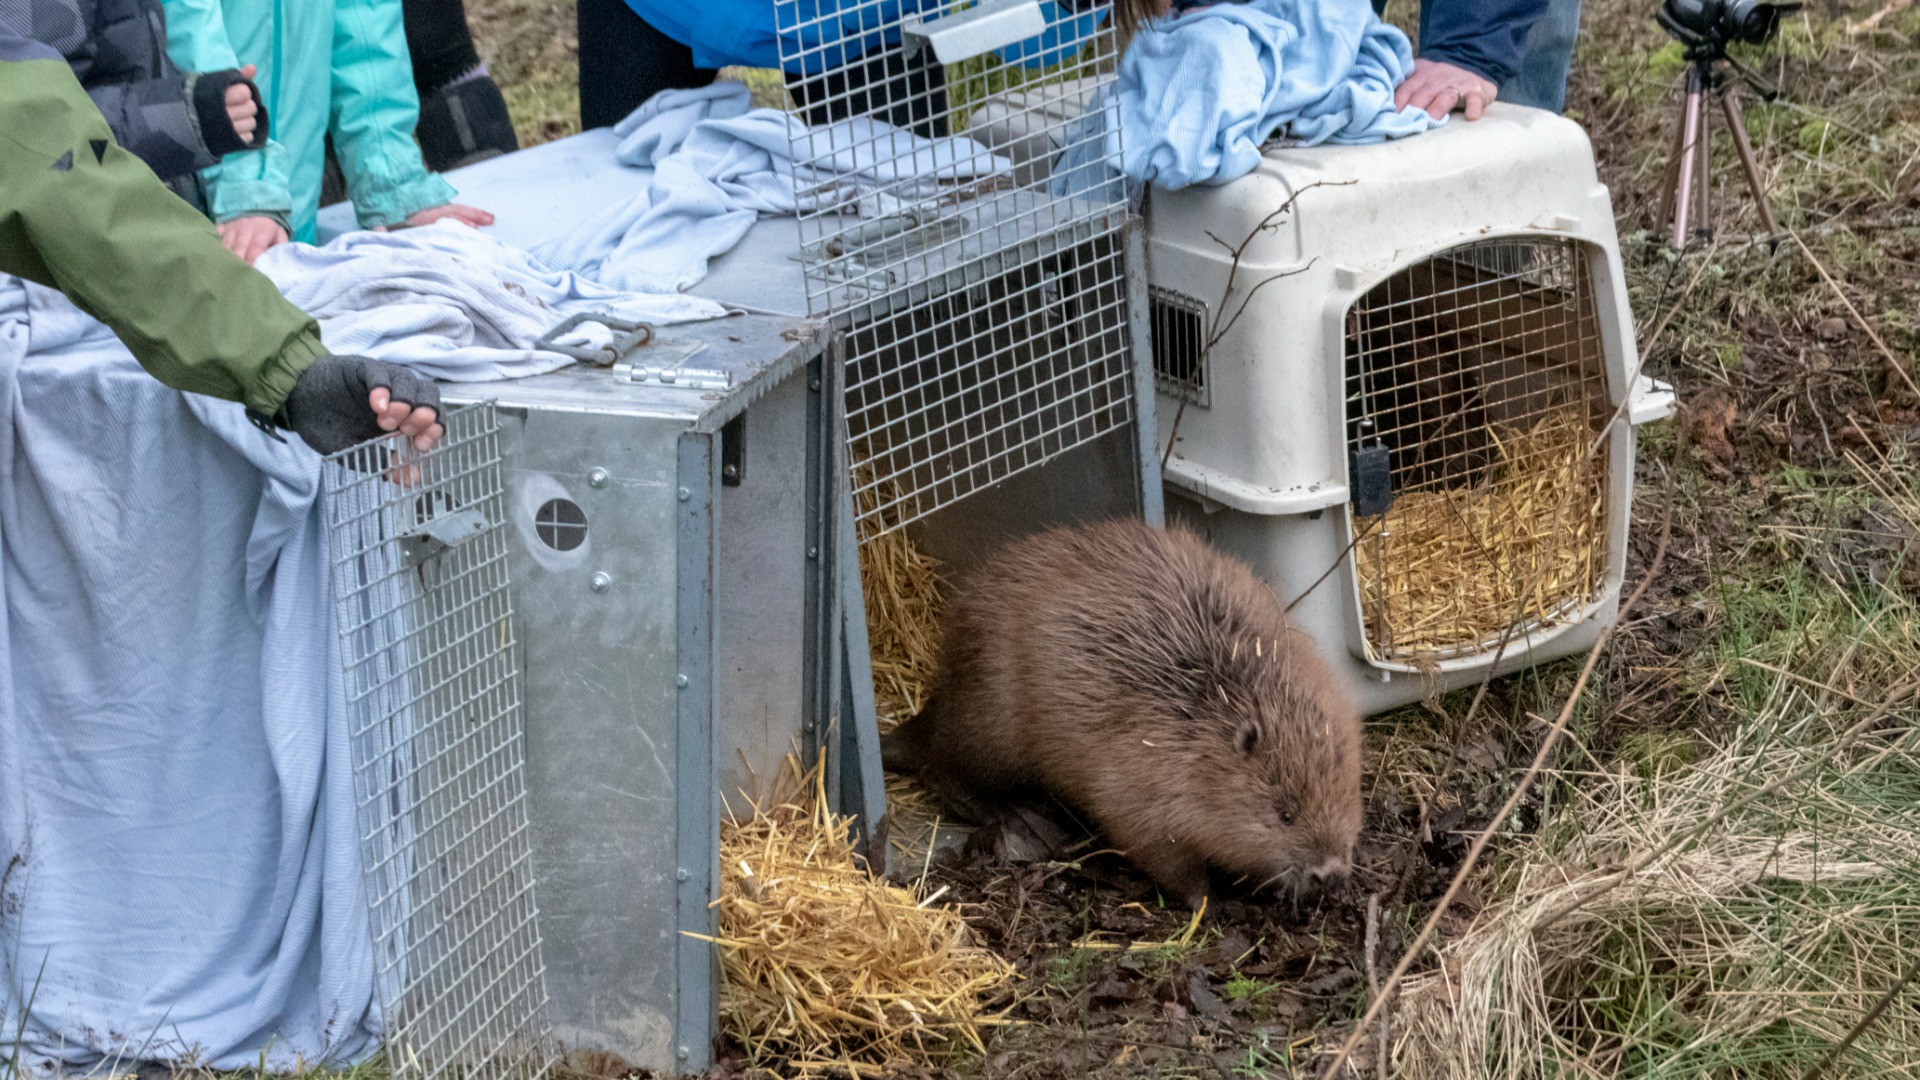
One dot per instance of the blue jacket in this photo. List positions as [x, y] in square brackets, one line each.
[1484, 36]
[327, 67]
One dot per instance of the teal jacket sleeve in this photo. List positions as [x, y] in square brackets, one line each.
[375, 109]
[252, 182]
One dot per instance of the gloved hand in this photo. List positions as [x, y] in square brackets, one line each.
[343, 400]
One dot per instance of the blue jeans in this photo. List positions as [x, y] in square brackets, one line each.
[1542, 79]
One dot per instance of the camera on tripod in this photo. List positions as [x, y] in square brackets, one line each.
[1714, 24]
[1706, 28]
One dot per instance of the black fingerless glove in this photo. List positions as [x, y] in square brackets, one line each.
[328, 407]
[216, 127]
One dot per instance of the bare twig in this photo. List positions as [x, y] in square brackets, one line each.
[1384, 1066]
[1866, 1021]
[1485, 836]
[1266, 224]
[1892, 360]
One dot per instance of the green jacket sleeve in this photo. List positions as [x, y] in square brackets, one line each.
[375, 109]
[83, 216]
[242, 184]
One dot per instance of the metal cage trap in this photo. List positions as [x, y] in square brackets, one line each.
[1478, 424]
[421, 599]
[987, 309]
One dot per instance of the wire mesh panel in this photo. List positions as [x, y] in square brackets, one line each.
[985, 306]
[1476, 394]
[419, 561]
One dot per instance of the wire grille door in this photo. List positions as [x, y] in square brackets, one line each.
[1476, 395]
[985, 306]
[421, 598]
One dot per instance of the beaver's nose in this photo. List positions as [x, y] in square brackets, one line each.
[1331, 869]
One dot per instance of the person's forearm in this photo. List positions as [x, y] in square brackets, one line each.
[81, 215]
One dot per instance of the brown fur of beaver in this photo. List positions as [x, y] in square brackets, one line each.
[1155, 684]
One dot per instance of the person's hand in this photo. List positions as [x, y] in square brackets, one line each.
[466, 215]
[241, 109]
[247, 237]
[1440, 87]
[344, 400]
[418, 420]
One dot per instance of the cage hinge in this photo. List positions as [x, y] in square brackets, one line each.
[977, 30]
[1370, 478]
[441, 534]
[667, 366]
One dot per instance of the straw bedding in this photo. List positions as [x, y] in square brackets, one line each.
[828, 969]
[1453, 568]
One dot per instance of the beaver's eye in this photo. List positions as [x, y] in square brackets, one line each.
[1286, 817]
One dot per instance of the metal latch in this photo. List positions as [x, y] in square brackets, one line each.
[441, 534]
[982, 28]
[628, 335]
[1649, 400]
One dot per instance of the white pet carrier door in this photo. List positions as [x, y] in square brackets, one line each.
[1477, 426]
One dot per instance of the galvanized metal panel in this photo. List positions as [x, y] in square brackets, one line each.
[762, 597]
[601, 654]
[698, 830]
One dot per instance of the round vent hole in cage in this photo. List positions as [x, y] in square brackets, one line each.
[561, 524]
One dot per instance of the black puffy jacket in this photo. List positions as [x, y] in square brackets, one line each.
[176, 122]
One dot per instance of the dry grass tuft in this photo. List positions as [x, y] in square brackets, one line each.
[827, 969]
[1449, 569]
[1731, 917]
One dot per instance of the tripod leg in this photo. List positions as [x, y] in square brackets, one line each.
[1736, 123]
[1671, 177]
[1703, 175]
[1683, 184]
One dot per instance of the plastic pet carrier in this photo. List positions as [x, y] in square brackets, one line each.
[1400, 380]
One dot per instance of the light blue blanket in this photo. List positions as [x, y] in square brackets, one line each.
[1197, 95]
[718, 164]
[177, 839]
[179, 858]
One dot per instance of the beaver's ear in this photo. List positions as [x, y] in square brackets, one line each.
[1248, 737]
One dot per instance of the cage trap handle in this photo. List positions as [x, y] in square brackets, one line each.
[628, 335]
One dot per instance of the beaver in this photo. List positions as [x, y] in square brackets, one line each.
[1155, 684]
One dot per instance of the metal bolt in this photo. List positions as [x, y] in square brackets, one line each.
[680, 681]
[813, 553]
[685, 494]
[598, 478]
[685, 1053]
[806, 726]
[600, 582]
[681, 874]
[813, 384]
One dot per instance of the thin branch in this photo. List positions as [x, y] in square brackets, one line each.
[1892, 360]
[1485, 836]
[1866, 1021]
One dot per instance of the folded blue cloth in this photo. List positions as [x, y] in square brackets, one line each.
[1199, 93]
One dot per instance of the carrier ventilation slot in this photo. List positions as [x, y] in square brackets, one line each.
[1180, 345]
[1480, 371]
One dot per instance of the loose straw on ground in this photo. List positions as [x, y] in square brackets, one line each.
[829, 969]
[905, 605]
[902, 588]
